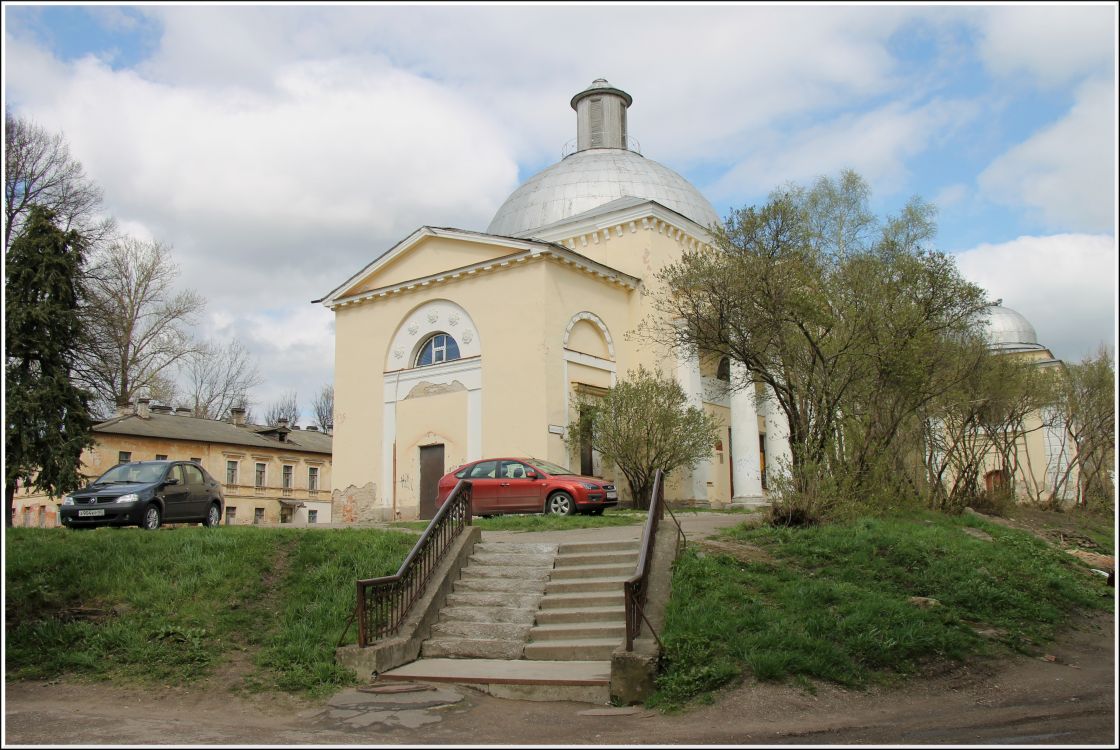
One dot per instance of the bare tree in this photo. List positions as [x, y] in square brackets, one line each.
[219, 377]
[286, 407]
[137, 323]
[38, 170]
[324, 408]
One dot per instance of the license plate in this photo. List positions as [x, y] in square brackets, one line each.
[612, 495]
[88, 513]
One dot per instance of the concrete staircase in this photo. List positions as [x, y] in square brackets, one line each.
[531, 621]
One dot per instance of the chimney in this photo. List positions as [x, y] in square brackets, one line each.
[161, 409]
[282, 422]
[124, 408]
[142, 409]
[182, 411]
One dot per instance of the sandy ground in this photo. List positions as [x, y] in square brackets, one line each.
[1064, 697]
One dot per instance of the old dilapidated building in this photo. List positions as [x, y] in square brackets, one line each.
[270, 474]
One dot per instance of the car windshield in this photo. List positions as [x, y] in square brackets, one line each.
[132, 474]
[549, 468]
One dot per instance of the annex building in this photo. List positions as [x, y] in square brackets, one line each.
[455, 345]
[270, 474]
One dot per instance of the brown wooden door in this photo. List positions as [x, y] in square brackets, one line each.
[431, 469]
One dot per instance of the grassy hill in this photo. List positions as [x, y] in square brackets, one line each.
[269, 605]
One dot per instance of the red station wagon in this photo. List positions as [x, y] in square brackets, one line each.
[528, 485]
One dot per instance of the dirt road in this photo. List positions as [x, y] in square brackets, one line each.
[1023, 701]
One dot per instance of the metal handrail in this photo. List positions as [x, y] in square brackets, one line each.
[635, 588]
[383, 603]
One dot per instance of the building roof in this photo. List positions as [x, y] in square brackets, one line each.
[588, 179]
[1007, 330]
[172, 427]
[603, 169]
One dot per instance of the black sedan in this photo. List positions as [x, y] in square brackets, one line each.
[146, 494]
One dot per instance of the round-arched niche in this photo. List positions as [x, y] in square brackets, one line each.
[435, 317]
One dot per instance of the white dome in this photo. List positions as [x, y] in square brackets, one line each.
[601, 170]
[591, 178]
[1007, 329]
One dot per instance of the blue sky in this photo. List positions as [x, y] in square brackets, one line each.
[281, 148]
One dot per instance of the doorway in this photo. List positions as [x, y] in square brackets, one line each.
[431, 470]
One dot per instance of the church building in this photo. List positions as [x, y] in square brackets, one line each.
[455, 345]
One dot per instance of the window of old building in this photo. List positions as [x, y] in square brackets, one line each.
[438, 348]
[124, 457]
[258, 515]
[231, 472]
[231, 513]
[312, 516]
[313, 478]
[260, 476]
[161, 456]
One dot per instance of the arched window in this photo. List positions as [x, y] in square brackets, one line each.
[723, 370]
[438, 348]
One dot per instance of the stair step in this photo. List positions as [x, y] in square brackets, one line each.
[578, 630]
[481, 630]
[523, 600]
[568, 600]
[585, 585]
[507, 558]
[593, 558]
[514, 615]
[586, 681]
[515, 548]
[472, 648]
[581, 615]
[580, 548]
[511, 585]
[575, 649]
[527, 572]
[570, 572]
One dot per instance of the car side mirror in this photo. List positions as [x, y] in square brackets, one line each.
[530, 474]
[172, 480]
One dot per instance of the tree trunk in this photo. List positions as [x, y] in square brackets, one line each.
[10, 497]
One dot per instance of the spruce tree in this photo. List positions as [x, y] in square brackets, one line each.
[47, 422]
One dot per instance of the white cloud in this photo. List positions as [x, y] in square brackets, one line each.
[1064, 284]
[950, 195]
[1065, 172]
[1052, 43]
[877, 144]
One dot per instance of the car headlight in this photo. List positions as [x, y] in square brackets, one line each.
[590, 486]
[68, 500]
[131, 497]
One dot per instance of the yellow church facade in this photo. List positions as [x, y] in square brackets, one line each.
[456, 345]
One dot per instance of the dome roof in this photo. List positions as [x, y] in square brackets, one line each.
[1007, 329]
[588, 179]
[602, 170]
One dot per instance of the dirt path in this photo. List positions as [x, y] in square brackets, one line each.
[1022, 700]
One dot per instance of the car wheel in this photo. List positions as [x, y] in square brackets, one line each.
[213, 516]
[561, 504]
[151, 519]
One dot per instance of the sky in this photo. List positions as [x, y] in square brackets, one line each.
[278, 149]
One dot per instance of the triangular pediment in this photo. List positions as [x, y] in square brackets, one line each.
[427, 252]
[432, 256]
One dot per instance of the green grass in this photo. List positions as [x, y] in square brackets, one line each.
[171, 606]
[834, 605]
[541, 522]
